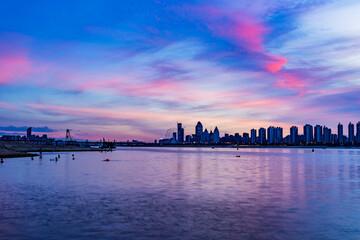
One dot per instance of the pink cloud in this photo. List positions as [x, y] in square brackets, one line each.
[13, 67]
[275, 64]
[8, 106]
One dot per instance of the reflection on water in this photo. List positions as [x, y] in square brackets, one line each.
[183, 193]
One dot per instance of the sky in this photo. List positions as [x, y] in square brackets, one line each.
[128, 70]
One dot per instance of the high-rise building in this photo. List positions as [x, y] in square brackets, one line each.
[188, 138]
[198, 132]
[246, 138]
[205, 136]
[294, 135]
[216, 135]
[253, 136]
[278, 135]
[271, 134]
[28, 133]
[358, 132]
[173, 140]
[318, 134]
[340, 133]
[262, 135]
[308, 134]
[180, 132]
[351, 132]
[327, 135]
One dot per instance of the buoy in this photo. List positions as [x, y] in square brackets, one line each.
[73, 158]
[107, 160]
[237, 149]
[32, 158]
[58, 156]
[73, 155]
[237, 155]
[56, 159]
[51, 159]
[313, 150]
[2, 161]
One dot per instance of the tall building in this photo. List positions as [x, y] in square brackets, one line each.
[278, 135]
[308, 134]
[28, 133]
[294, 135]
[173, 140]
[351, 132]
[262, 135]
[246, 138]
[198, 132]
[216, 135]
[205, 137]
[253, 136]
[180, 132]
[358, 132]
[340, 134]
[327, 135]
[271, 134]
[318, 134]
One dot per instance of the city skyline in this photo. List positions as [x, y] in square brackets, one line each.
[127, 70]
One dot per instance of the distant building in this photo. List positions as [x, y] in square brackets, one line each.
[340, 133]
[318, 136]
[308, 134]
[271, 134]
[28, 133]
[294, 135]
[216, 135]
[173, 140]
[358, 132]
[351, 132]
[278, 135]
[253, 136]
[198, 132]
[246, 138]
[180, 132]
[188, 138]
[327, 135]
[262, 135]
[205, 137]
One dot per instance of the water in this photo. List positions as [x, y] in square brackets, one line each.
[183, 193]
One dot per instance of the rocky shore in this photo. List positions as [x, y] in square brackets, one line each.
[11, 150]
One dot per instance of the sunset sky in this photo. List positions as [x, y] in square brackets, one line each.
[133, 69]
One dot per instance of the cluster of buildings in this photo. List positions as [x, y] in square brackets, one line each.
[317, 135]
[29, 137]
[200, 136]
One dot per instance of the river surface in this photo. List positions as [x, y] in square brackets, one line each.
[183, 193]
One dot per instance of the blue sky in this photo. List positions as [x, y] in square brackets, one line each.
[132, 69]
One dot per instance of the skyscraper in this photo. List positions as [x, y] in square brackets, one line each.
[198, 132]
[340, 134]
[216, 135]
[327, 135]
[318, 134]
[294, 132]
[205, 137]
[278, 135]
[180, 132]
[28, 133]
[262, 135]
[308, 134]
[351, 132]
[271, 134]
[358, 132]
[253, 136]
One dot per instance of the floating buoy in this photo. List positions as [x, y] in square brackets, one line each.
[237, 149]
[237, 155]
[2, 161]
[313, 150]
[56, 159]
[73, 155]
[107, 160]
[73, 158]
[32, 158]
[59, 156]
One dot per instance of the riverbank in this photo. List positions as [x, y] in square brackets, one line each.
[12, 150]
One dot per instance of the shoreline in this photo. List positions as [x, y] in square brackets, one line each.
[14, 150]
